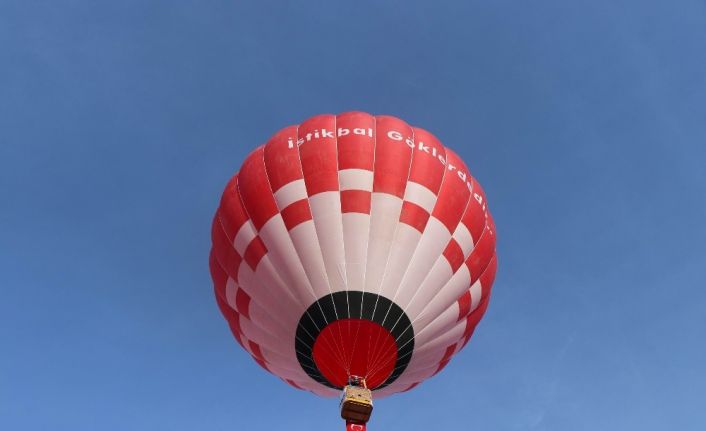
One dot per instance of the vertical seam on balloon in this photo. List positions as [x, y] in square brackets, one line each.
[397, 288]
[365, 260]
[422, 330]
[275, 275]
[309, 289]
[394, 235]
[367, 246]
[328, 284]
[259, 282]
[421, 283]
[416, 248]
[335, 350]
[483, 233]
[397, 225]
[344, 276]
[455, 324]
[245, 209]
[254, 300]
[279, 213]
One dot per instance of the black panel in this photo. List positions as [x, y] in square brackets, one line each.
[355, 305]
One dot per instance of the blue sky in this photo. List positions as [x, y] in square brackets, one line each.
[121, 121]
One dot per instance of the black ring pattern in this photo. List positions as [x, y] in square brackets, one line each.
[353, 304]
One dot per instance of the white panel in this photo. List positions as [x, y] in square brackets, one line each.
[231, 288]
[306, 243]
[290, 193]
[245, 235]
[433, 285]
[418, 374]
[420, 195]
[355, 179]
[307, 384]
[464, 238]
[285, 258]
[246, 277]
[448, 296]
[403, 246]
[326, 211]
[396, 387]
[424, 366]
[263, 338]
[284, 331]
[443, 322]
[444, 339]
[431, 246]
[321, 390]
[355, 236]
[277, 291]
[427, 359]
[264, 293]
[275, 364]
[476, 293]
[384, 217]
[245, 344]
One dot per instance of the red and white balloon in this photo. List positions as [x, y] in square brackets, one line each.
[353, 245]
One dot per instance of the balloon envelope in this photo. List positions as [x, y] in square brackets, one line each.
[353, 245]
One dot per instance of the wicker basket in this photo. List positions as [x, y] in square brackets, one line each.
[357, 404]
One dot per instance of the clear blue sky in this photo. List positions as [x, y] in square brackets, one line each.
[121, 121]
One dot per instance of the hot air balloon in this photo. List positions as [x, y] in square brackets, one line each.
[353, 252]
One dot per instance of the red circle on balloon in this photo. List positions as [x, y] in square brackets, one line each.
[355, 347]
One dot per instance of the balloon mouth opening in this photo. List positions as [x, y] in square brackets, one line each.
[355, 347]
[354, 333]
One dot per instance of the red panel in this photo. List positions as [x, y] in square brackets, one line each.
[282, 158]
[486, 281]
[464, 305]
[414, 215]
[356, 140]
[412, 386]
[488, 276]
[355, 201]
[319, 157]
[475, 217]
[441, 367]
[262, 363]
[255, 349]
[393, 155]
[428, 161]
[345, 342]
[255, 189]
[296, 213]
[291, 382]
[233, 214]
[235, 330]
[454, 255]
[448, 353]
[454, 195]
[220, 278]
[480, 257]
[233, 319]
[254, 253]
[231, 315]
[242, 302]
[473, 318]
[223, 250]
[447, 357]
